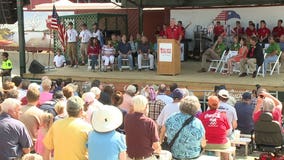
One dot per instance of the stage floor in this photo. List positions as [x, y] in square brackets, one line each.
[189, 77]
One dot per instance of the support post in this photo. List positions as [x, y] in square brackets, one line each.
[22, 53]
[140, 10]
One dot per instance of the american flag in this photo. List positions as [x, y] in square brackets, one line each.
[226, 15]
[59, 27]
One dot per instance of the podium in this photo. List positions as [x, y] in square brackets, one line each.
[168, 57]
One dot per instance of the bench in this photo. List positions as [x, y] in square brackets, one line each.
[231, 151]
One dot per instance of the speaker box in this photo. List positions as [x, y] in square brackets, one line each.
[36, 67]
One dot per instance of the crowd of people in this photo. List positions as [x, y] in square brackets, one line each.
[56, 120]
[255, 47]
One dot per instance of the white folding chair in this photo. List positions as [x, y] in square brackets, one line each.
[261, 68]
[215, 64]
[225, 60]
[275, 65]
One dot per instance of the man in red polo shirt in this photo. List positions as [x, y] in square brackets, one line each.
[183, 28]
[278, 30]
[218, 30]
[174, 31]
[263, 32]
[251, 31]
[238, 30]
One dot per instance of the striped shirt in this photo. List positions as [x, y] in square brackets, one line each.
[108, 50]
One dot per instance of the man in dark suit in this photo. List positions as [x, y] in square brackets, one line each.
[254, 58]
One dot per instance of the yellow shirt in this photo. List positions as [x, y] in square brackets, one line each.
[68, 138]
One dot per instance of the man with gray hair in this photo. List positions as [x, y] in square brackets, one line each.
[14, 137]
[68, 137]
[162, 94]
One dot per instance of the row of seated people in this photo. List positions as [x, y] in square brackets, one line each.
[262, 33]
[121, 49]
[249, 52]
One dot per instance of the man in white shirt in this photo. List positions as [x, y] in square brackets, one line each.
[84, 36]
[72, 38]
[162, 94]
[59, 59]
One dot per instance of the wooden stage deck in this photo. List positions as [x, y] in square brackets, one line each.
[189, 78]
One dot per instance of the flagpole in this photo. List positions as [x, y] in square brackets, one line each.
[50, 32]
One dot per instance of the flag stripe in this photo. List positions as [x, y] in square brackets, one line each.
[59, 27]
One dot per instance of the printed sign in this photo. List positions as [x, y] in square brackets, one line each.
[166, 52]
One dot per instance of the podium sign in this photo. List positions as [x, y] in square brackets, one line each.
[166, 52]
[168, 57]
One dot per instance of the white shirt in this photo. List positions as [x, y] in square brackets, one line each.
[59, 60]
[165, 98]
[72, 35]
[166, 112]
[22, 94]
[98, 34]
[85, 36]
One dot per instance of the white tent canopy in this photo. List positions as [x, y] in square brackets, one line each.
[67, 5]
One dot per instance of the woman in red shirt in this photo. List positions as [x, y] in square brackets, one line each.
[94, 50]
[216, 126]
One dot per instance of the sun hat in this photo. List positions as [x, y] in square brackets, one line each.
[223, 93]
[106, 119]
[213, 102]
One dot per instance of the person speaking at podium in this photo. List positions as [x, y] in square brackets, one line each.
[174, 31]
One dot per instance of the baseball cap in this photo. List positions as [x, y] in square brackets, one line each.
[177, 93]
[213, 102]
[131, 89]
[246, 95]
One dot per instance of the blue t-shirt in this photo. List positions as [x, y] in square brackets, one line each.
[244, 113]
[188, 143]
[106, 146]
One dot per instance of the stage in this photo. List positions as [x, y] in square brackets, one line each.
[189, 78]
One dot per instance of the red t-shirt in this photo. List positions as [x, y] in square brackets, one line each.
[262, 32]
[278, 31]
[216, 125]
[276, 114]
[218, 30]
[173, 33]
[250, 32]
[141, 133]
[162, 33]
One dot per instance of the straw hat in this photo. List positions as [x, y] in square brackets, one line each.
[106, 119]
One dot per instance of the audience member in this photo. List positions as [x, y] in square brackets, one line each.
[91, 105]
[32, 156]
[46, 122]
[48, 106]
[183, 149]
[170, 108]
[162, 94]
[172, 87]
[97, 33]
[254, 57]
[127, 103]
[116, 100]
[251, 31]
[244, 111]
[155, 105]
[68, 92]
[104, 142]
[68, 137]
[230, 111]
[235, 46]
[23, 89]
[60, 109]
[31, 114]
[216, 127]
[137, 124]
[45, 95]
[14, 137]
[134, 48]
[105, 96]
[238, 30]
